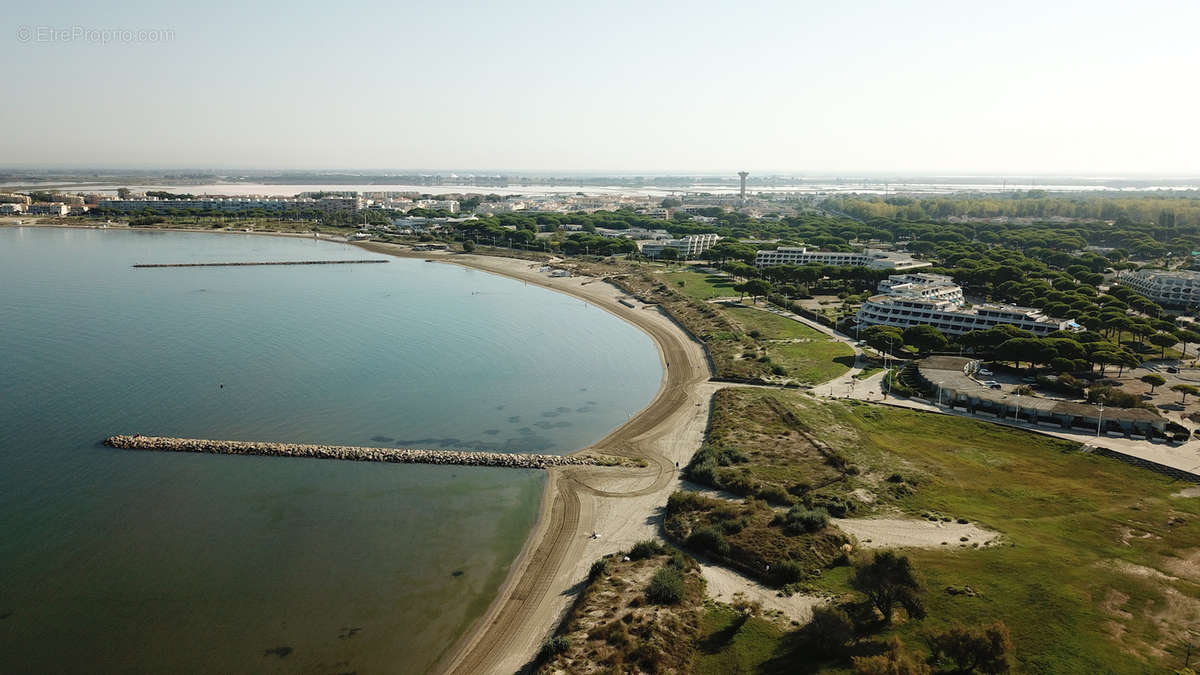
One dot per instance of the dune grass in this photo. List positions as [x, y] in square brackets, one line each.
[1098, 569]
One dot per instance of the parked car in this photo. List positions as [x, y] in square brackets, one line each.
[1172, 369]
[992, 383]
[985, 372]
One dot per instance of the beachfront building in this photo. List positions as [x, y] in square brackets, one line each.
[689, 247]
[801, 255]
[923, 285]
[450, 205]
[1180, 288]
[12, 208]
[950, 317]
[230, 205]
[951, 381]
[49, 209]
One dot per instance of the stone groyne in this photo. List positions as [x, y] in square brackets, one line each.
[251, 264]
[354, 453]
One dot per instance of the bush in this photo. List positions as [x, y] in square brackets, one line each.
[705, 538]
[985, 649]
[645, 549]
[682, 500]
[666, 586]
[788, 572]
[778, 370]
[830, 629]
[800, 520]
[599, 569]
[834, 505]
[755, 334]
[776, 495]
[554, 646]
[468, 246]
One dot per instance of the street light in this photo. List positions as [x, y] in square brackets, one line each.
[1017, 413]
[1100, 419]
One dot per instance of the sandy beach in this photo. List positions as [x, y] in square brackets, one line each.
[621, 506]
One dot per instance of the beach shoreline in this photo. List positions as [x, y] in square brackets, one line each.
[620, 505]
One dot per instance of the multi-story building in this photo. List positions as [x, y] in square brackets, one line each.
[450, 205]
[230, 205]
[800, 255]
[1177, 288]
[12, 208]
[951, 317]
[923, 285]
[49, 209]
[690, 246]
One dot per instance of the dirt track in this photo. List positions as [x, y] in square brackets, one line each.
[620, 504]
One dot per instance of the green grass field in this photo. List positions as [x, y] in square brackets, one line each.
[699, 285]
[1099, 565]
[732, 643]
[813, 357]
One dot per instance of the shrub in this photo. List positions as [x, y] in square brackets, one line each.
[778, 370]
[776, 495]
[554, 646]
[895, 478]
[895, 660]
[705, 538]
[985, 649]
[645, 549]
[836, 506]
[469, 246]
[800, 520]
[755, 334]
[788, 572]
[599, 569]
[830, 629]
[666, 587]
[682, 500]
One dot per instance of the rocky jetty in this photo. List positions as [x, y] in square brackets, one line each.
[352, 453]
[252, 264]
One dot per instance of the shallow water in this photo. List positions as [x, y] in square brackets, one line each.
[148, 562]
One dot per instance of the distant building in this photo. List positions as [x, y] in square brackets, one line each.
[49, 209]
[689, 247]
[450, 205]
[230, 205]
[12, 208]
[1179, 288]
[799, 255]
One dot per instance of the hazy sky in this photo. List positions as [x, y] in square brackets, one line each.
[1096, 87]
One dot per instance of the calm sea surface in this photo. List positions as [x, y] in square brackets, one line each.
[131, 561]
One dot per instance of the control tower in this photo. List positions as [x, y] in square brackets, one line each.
[742, 175]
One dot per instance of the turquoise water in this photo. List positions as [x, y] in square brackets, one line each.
[145, 562]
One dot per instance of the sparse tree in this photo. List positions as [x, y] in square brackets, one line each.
[895, 660]
[889, 580]
[987, 649]
[1154, 380]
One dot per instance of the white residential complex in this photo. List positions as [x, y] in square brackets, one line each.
[800, 255]
[924, 285]
[230, 204]
[935, 300]
[690, 246]
[1179, 288]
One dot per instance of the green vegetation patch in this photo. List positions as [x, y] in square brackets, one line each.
[700, 285]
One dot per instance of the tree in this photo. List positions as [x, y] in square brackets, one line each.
[1163, 340]
[669, 253]
[123, 193]
[986, 649]
[890, 580]
[755, 287]
[895, 660]
[830, 629]
[884, 338]
[469, 246]
[925, 338]
[1184, 390]
[1154, 380]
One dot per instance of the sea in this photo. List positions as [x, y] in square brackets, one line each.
[133, 561]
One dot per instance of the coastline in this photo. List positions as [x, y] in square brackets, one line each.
[618, 503]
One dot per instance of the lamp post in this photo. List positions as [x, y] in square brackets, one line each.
[1100, 419]
[939, 394]
[1017, 412]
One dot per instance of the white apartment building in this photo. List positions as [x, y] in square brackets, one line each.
[230, 204]
[689, 246]
[48, 209]
[923, 285]
[12, 208]
[800, 255]
[1178, 288]
[450, 205]
[951, 318]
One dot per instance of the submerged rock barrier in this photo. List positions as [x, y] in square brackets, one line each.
[251, 264]
[353, 453]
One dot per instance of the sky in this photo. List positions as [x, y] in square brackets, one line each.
[1103, 87]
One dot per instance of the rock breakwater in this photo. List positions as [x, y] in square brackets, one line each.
[354, 453]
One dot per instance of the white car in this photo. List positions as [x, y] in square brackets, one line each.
[985, 372]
